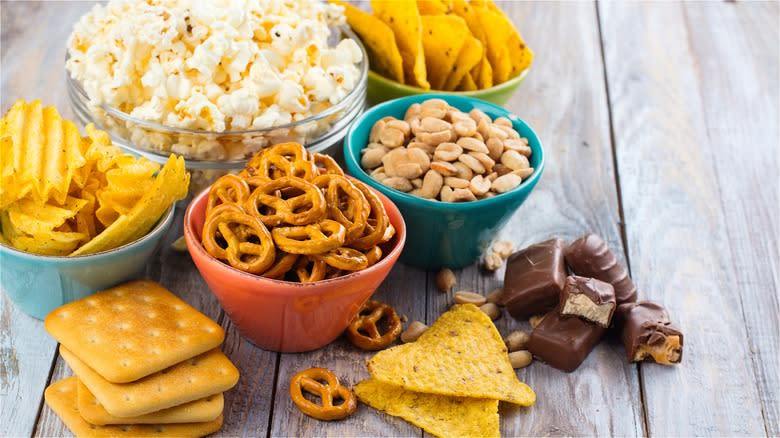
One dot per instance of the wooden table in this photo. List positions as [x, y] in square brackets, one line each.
[660, 126]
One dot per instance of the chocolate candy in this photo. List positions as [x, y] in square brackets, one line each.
[589, 299]
[589, 256]
[647, 333]
[564, 342]
[534, 278]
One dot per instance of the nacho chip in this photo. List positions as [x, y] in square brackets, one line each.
[444, 37]
[439, 415]
[383, 55]
[434, 7]
[403, 17]
[469, 57]
[520, 55]
[461, 354]
[467, 83]
[484, 78]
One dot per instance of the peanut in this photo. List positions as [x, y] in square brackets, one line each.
[444, 168]
[447, 152]
[399, 125]
[478, 115]
[496, 296]
[495, 148]
[516, 340]
[409, 170]
[483, 158]
[378, 127]
[435, 138]
[520, 359]
[419, 157]
[434, 108]
[417, 183]
[445, 194]
[432, 184]
[425, 147]
[464, 171]
[505, 183]
[472, 144]
[413, 111]
[524, 173]
[503, 248]
[465, 127]
[501, 169]
[413, 331]
[491, 310]
[398, 183]
[491, 177]
[391, 137]
[503, 121]
[479, 185]
[445, 279]
[513, 160]
[472, 162]
[495, 131]
[460, 195]
[432, 124]
[456, 183]
[464, 296]
[372, 157]
[493, 261]
[393, 159]
[517, 145]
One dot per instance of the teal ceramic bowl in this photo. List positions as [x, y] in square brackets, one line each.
[441, 234]
[39, 284]
[381, 89]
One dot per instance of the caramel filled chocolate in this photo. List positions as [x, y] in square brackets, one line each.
[564, 343]
[534, 279]
[589, 256]
[647, 333]
[588, 298]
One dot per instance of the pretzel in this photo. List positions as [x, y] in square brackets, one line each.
[248, 244]
[377, 222]
[306, 206]
[343, 258]
[280, 160]
[325, 384]
[346, 204]
[310, 269]
[283, 264]
[326, 165]
[373, 255]
[310, 239]
[228, 189]
[363, 330]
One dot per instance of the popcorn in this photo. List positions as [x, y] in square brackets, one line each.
[219, 65]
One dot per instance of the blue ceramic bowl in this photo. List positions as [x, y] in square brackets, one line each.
[39, 284]
[441, 234]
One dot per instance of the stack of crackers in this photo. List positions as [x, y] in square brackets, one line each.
[450, 380]
[145, 363]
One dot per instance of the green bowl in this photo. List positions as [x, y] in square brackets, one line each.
[381, 89]
[442, 234]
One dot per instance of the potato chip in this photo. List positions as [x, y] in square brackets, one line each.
[383, 55]
[461, 354]
[444, 38]
[28, 217]
[403, 17]
[439, 415]
[470, 55]
[467, 83]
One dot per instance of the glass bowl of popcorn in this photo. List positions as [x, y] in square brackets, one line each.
[216, 84]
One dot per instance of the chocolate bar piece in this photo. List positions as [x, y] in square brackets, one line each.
[589, 299]
[564, 342]
[647, 333]
[589, 256]
[534, 278]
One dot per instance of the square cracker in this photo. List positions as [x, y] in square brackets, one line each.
[198, 411]
[208, 374]
[133, 330]
[61, 398]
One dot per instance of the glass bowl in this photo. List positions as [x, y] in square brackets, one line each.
[210, 154]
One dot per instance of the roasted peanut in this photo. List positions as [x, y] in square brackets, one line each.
[399, 125]
[398, 183]
[513, 160]
[491, 310]
[496, 296]
[492, 261]
[416, 183]
[393, 159]
[447, 152]
[445, 279]
[413, 111]
[432, 124]
[456, 183]
[483, 158]
[491, 177]
[501, 169]
[425, 147]
[434, 108]
[509, 131]
[432, 184]
[524, 173]
[479, 185]
[520, 359]
[418, 156]
[495, 148]
[517, 145]
[472, 144]
[503, 248]
[464, 171]
[464, 296]
[496, 131]
[517, 340]
[445, 194]
[408, 170]
[391, 137]
[472, 162]
[505, 183]
[444, 168]
[372, 157]
[378, 127]
[478, 115]
[461, 195]
[413, 331]
[503, 121]
[465, 127]
[535, 320]
[435, 138]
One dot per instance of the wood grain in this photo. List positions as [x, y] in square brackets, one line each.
[567, 205]
[679, 246]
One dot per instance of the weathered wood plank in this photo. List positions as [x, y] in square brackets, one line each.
[404, 289]
[679, 247]
[564, 100]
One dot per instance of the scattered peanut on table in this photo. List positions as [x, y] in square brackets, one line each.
[439, 152]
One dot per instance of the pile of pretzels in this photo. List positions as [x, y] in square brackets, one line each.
[293, 215]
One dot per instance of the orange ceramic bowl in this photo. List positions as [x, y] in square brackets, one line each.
[282, 315]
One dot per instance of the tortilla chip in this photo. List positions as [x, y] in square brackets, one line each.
[497, 41]
[470, 56]
[485, 77]
[467, 83]
[438, 415]
[443, 39]
[461, 354]
[383, 55]
[520, 55]
[403, 18]
[434, 7]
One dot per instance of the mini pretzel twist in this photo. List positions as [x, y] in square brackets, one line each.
[310, 239]
[280, 160]
[346, 204]
[343, 258]
[310, 269]
[283, 264]
[323, 383]
[248, 245]
[363, 330]
[326, 165]
[307, 206]
[228, 189]
[377, 222]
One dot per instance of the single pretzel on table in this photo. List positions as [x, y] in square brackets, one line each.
[325, 384]
[363, 330]
[248, 245]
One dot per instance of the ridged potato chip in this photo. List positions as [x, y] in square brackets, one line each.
[439, 415]
[461, 355]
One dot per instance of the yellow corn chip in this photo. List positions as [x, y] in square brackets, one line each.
[467, 83]
[520, 55]
[444, 37]
[403, 17]
[434, 7]
[461, 354]
[383, 55]
[439, 415]
[485, 77]
[470, 55]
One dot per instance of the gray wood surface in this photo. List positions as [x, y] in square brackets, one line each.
[667, 145]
